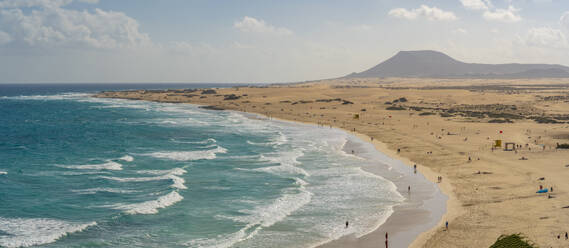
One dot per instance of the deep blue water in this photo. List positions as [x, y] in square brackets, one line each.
[77, 171]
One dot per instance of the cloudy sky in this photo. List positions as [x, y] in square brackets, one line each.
[264, 40]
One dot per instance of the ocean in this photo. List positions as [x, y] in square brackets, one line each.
[78, 171]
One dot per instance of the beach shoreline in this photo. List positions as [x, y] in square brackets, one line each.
[411, 219]
[411, 222]
[447, 128]
[422, 209]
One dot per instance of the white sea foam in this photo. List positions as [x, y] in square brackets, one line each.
[84, 172]
[3, 173]
[207, 141]
[287, 163]
[127, 158]
[177, 182]
[280, 208]
[260, 217]
[104, 166]
[175, 171]
[30, 232]
[189, 155]
[283, 170]
[64, 96]
[150, 207]
[96, 190]
[224, 241]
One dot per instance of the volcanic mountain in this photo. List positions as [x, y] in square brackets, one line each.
[433, 64]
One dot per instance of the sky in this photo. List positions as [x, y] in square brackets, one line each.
[264, 41]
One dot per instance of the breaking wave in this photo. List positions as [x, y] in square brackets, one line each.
[188, 155]
[150, 207]
[104, 166]
[30, 232]
[173, 175]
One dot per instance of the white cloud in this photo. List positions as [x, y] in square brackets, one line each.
[51, 25]
[460, 31]
[33, 3]
[89, 1]
[5, 38]
[252, 25]
[503, 15]
[546, 37]
[429, 13]
[476, 4]
[564, 21]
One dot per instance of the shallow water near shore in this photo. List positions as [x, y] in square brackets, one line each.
[82, 171]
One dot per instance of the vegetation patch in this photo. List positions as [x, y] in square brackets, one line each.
[562, 146]
[545, 120]
[395, 108]
[231, 97]
[512, 241]
[329, 100]
[402, 99]
[210, 91]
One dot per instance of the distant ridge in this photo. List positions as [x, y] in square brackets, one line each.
[433, 64]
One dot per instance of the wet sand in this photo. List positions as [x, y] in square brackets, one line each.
[422, 209]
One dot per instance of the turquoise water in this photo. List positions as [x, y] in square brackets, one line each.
[77, 171]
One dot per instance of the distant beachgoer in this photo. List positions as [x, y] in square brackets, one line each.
[398, 150]
[446, 225]
[409, 189]
[386, 235]
[551, 188]
[540, 187]
[347, 224]
[352, 151]
[566, 236]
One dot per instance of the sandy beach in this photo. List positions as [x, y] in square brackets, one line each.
[448, 128]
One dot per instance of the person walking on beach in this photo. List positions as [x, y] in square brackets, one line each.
[409, 189]
[446, 225]
[566, 236]
[347, 224]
